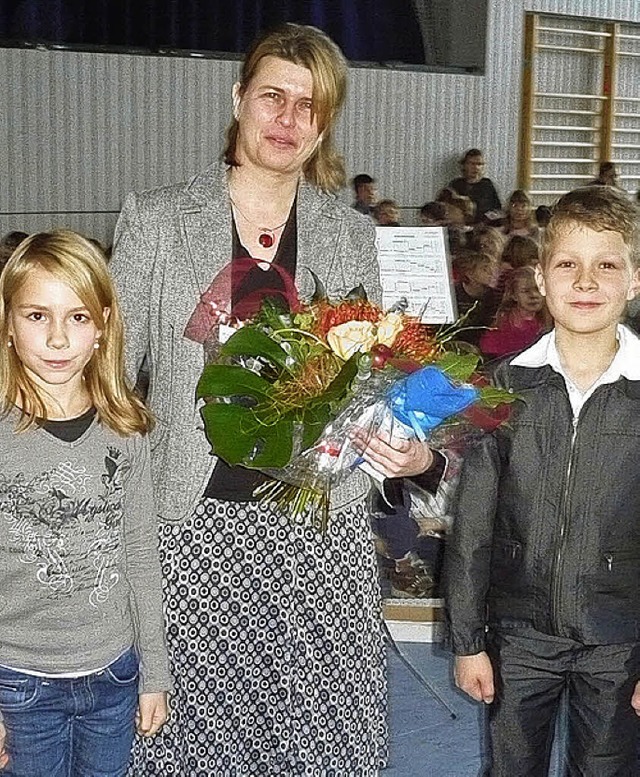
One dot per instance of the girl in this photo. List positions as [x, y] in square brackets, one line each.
[520, 216]
[80, 592]
[520, 319]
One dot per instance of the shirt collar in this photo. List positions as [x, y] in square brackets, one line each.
[626, 362]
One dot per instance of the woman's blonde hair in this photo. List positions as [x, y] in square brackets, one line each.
[310, 48]
[77, 262]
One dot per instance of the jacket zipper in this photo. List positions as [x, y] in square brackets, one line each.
[556, 588]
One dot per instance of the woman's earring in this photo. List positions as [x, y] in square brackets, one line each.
[10, 343]
[96, 345]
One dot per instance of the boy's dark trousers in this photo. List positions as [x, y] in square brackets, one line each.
[532, 671]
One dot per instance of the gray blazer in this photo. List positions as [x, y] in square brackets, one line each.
[169, 244]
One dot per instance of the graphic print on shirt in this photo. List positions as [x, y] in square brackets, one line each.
[72, 540]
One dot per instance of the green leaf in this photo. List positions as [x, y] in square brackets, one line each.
[275, 444]
[314, 421]
[459, 366]
[249, 341]
[490, 396]
[339, 385]
[228, 430]
[229, 380]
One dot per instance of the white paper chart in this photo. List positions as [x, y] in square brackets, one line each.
[414, 265]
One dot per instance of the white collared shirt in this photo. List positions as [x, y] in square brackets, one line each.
[626, 363]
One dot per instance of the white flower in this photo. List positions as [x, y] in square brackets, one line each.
[389, 327]
[351, 337]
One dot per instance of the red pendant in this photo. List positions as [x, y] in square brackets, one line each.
[266, 239]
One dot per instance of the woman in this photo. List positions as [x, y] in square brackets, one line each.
[274, 631]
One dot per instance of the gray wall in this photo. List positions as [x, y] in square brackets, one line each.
[79, 130]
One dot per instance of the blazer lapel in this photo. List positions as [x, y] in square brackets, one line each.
[205, 223]
[319, 230]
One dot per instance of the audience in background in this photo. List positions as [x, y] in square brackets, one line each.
[520, 252]
[461, 210]
[9, 243]
[364, 187]
[521, 317]
[434, 214]
[607, 175]
[543, 216]
[520, 218]
[479, 189]
[477, 297]
[486, 240]
[387, 213]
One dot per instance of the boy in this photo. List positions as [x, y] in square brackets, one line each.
[543, 564]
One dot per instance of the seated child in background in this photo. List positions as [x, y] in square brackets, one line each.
[520, 252]
[521, 317]
[520, 218]
[476, 295]
[543, 216]
[486, 240]
[434, 214]
[543, 563]
[386, 213]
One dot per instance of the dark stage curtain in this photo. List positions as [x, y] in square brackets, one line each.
[366, 30]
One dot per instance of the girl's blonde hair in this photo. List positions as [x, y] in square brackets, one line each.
[509, 303]
[310, 48]
[77, 262]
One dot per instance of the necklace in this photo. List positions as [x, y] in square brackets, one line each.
[267, 237]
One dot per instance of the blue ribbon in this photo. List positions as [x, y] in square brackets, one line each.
[427, 397]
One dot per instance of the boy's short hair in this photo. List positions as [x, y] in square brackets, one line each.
[601, 208]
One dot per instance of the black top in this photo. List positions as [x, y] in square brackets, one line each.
[237, 484]
[482, 193]
[480, 312]
[70, 429]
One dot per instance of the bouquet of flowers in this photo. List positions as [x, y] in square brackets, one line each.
[286, 390]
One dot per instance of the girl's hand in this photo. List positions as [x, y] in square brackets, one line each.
[402, 459]
[4, 757]
[152, 713]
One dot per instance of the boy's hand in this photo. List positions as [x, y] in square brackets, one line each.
[152, 713]
[635, 699]
[474, 676]
[4, 757]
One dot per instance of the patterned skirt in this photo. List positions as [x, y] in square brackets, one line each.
[276, 648]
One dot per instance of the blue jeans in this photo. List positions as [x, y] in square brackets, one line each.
[81, 727]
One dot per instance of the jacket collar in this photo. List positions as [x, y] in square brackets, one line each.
[206, 222]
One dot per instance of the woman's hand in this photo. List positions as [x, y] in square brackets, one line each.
[4, 757]
[152, 713]
[394, 458]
